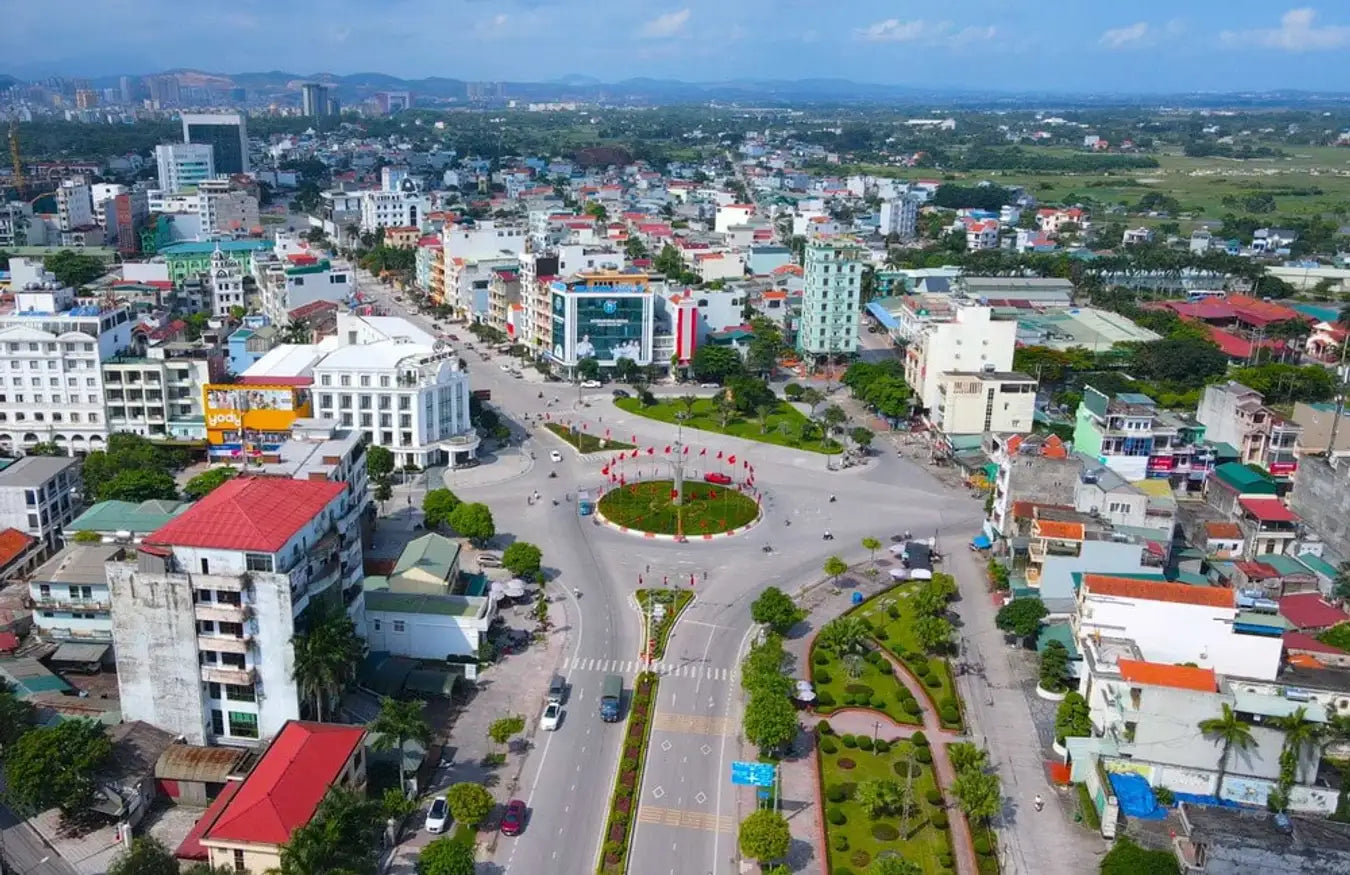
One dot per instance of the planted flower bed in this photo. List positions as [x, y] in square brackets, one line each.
[675, 601]
[623, 802]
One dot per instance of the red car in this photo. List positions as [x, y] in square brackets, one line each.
[718, 478]
[513, 821]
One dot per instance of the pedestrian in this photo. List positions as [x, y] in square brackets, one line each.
[1039, 802]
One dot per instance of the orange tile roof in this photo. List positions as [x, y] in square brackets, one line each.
[1223, 529]
[1058, 530]
[13, 544]
[1158, 591]
[1158, 674]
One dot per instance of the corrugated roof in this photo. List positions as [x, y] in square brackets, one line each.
[286, 785]
[190, 762]
[1158, 591]
[127, 516]
[1243, 480]
[259, 514]
[191, 847]
[1269, 510]
[1308, 610]
[13, 544]
[1059, 530]
[431, 554]
[1181, 677]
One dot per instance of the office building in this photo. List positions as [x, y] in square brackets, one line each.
[226, 133]
[831, 298]
[603, 315]
[37, 497]
[404, 206]
[314, 100]
[51, 385]
[184, 165]
[397, 386]
[205, 611]
[155, 390]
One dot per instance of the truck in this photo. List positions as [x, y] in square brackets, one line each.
[611, 695]
[585, 502]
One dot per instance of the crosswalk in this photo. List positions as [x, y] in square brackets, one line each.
[689, 819]
[634, 666]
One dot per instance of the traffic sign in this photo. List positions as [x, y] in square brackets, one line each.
[754, 774]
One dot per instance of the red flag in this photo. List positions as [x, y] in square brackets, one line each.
[607, 433]
[703, 452]
[622, 480]
[583, 426]
[651, 451]
[634, 440]
[686, 451]
[719, 454]
[634, 456]
[745, 463]
[731, 460]
[674, 493]
[605, 470]
[667, 449]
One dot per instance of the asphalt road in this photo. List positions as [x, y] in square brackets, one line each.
[23, 851]
[687, 819]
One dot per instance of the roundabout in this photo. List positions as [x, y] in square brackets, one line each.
[697, 509]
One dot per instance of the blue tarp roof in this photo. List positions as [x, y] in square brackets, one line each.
[886, 319]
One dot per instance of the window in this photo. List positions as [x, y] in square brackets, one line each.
[365, 381]
[376, 623]
[238, 856]
[384, 381]
[237, 693]
[258, 561]
[345, 380]
[325, 379]
[206, 566]
[399, 625]
[213, 690]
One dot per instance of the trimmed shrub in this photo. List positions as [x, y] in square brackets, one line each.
[860, 858]
[884, 832]
[839, 842]
[836, 815]
[919, 665]
[859, 690]
[628, 765]
[949, 714]
[981, 844]
[932, 680]
[829, 745]
[918, 739]
[820, 657]
[824, 699]
[933, 797]
[842, 870]
[824, 728]
[883, 746]
[865, 742]
[873, 656]
[893, 612]
[911, 706]
[849, 739]
[845, 763]
[923, 755]
[938, 819]
[822, 676]
[945, 861]
[885, 667]
[836, 794]
[878, 703]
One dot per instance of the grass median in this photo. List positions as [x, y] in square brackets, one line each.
[623, 802]
[675, 601]
[783, 426]
[584, 442]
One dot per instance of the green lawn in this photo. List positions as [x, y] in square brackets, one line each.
[855, 842]
[675, 599]
[875, 686]
[891, 615]
[707, 508]
[784, 425]
[584, 442]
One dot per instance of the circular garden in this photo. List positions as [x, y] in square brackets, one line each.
[707, 509]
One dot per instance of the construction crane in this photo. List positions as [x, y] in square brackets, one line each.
[16, 157]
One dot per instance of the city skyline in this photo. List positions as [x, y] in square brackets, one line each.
[988, 45]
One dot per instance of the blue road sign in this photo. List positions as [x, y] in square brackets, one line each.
[753, 774]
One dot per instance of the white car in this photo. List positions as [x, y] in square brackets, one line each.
[552, 714]
[554, 456]
[591, 384]
[710, 385]
[506, 368]
[438, 815]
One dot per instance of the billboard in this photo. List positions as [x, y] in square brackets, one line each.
[256, 407]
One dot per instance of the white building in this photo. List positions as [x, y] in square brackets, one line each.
[226, 279]
[972, 341]
[400, 391]
[732, 214]
[37, 497]
[976, 402]
[100, 193]
[205, 613]
[394, 209]
[831, 298]
[157, 392]
[290, 276]
[74, 205]
[900, 216]
[18, 227]
[51, 381]
[227, 210]
[184, 165]
[70, 597]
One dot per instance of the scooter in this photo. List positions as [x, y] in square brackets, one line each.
[766, 548]
[828, 537]
[553, 475]
[831, 499]
[1039, 803]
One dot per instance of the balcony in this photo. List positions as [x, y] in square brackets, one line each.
[223, 582]
[50, 603]
[239, 677]
[225, 643]
[217, 612]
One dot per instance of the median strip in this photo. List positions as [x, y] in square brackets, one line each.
[619, 824]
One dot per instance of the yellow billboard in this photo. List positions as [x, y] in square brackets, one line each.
[231, 409]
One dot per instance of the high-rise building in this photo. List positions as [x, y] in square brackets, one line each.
[74, 205]
[900, 216]
[125, 215]
[125, 93]
[86, 98]
[831, 298]
[314, 99]
[164, 91]
[226, 132]
[183, 165]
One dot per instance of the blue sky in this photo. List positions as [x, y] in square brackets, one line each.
[1060, 45]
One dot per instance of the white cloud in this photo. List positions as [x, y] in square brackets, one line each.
[1297, 32]
[1122, 37]
[667, 25]
[893, 30]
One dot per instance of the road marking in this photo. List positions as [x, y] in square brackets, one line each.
[692, 724]
[688, 819]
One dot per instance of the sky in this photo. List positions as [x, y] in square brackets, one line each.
[1079, 46]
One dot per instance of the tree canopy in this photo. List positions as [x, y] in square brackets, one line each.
[716, 364]
[469, 803]
[446, 856]
[131, 454]
[1021, 617]
[437, 505]
[473, 521]
[74, 269]
[206, 482]
[55, 766]
[145, 855]
[522, 558]
[764, 835]
[777, 610]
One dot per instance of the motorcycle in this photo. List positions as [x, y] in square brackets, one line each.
[766, 548]
[831, 499]
[827, 537]
[553, 475]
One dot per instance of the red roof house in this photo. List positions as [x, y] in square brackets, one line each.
[1309, 612]
[254, 514]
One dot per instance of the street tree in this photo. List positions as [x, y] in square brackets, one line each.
[588, 368]
[688, 400]
[777, 610]
[871, 545]
[834, 568]
[397, 723]
[384, 490]
[1228, 731]
[881, 797]
[843, 635]
[770, 720]
[473, 521]
[862, 437]
[469, 802]
[206, 482]
[967, 757]
[446, 856]
[1021, 617]
[327, 654]
[749, 393]
[978, 793]
[833, 417]
[522, 558]
[627, 371]
[1072, 719]
[716, 364]
[764, 836]
[55, 766]
[437, 505]
[811, 397]
[145, 855]
[501, 729]
[1054, 667]
[762, 668]
[343, 836]
[379, 462]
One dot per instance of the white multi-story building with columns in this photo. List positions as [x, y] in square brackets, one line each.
[400, 387]
[205, 610]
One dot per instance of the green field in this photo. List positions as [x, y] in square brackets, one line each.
[783, 426]
[920, 834]
[707, 509]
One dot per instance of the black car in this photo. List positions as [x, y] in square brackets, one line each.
[620, 393]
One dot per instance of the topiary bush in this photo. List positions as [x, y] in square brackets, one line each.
[836, 815]
[932, 681]
[933, 797]
[845, 763]
[836, 793]
[849, 739]
[945, 861]
[911, 706]
[824, 700]
[824, 728]
[981, 844]
[865, 742]
[820, 657]
[859, 690]
[938, 819]
[949, 714]
[923, 755]
[893, 612]
[822, 676]
[860, 858]
[878, 703]
[829, 745]
[918, 739]
[885, 667]
[884, 832]
[839, 842]
[882, 745]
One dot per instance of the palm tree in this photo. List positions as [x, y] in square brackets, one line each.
[342, 838]
[398, 723]
[295, 332]
[689, 401]
[811, 397]
[1227, 731]
[762, 414]
[725, 408]
[1299, 735]
[327, 655]
[843, 635]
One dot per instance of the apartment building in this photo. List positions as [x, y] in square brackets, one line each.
[976, 402]
[831, 298]
[206, 609]
[1132, 436]
[155, 391]
[37, 497]
[51, 382]
[74, 205]
[287, 280]
[900, 217]
[70, 598]
[184, 165]
[225, 209]
[1235, 414]
[971, 341]
[226, 280]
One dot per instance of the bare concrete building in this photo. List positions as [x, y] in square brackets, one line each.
[1321, 497]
